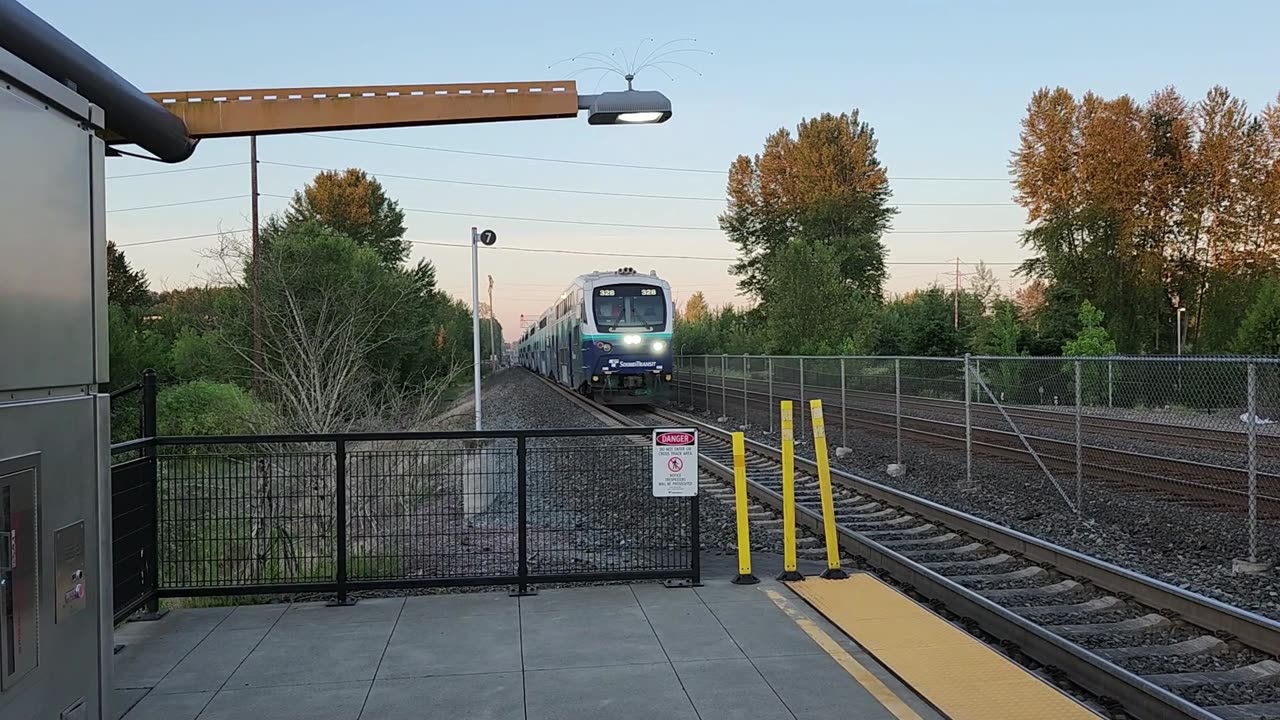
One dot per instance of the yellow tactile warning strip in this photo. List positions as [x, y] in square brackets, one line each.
[959, 675]
[869, 682]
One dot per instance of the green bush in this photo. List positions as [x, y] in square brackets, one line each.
[205, 408]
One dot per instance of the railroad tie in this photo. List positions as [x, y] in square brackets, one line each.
[1132, 625]
[1026, 573]
[1058, 588]
[1203, 645]
[1265, 671]
[1095, 605]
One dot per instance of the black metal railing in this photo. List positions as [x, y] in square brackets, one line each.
[133, 514]
[339, 513]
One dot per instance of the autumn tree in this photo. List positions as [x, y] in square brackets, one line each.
[695, 308]
[353, 204]
[126, 287]
[822, 185]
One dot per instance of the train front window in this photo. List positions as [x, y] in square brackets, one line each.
[634, 307]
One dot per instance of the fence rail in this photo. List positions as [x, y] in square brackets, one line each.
[1195, 429]
[340, 513]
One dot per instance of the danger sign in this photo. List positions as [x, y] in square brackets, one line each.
[675, 463]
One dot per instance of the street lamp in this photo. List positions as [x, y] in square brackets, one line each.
[627, 107]
[488, 237]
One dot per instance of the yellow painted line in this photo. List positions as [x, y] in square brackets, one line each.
[956, 673]
[881, 692]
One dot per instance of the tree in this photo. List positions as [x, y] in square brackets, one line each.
[695, 308]
[983, 286]
[1003, 334]
[126, 287]
[824, 185]
[1093, 339]
[810, 308]
[928, 326]
[353, 204]
[1260, 332]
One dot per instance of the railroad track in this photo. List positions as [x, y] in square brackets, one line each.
[1191, 479]
[1145, 648]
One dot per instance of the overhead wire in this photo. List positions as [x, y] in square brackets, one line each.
[176, 204]
[177, 170]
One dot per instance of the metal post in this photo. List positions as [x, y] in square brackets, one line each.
[769, 370]
[149, 405]
[1109, 386]
[151, 571]
[1253, 463]
[475, 318]
[802, 403]
[340, 507]
[968, 427]
[1079, 443]
[724, 370]
[706, 382]
[254, 277]
[695, 541]
[844, 410]
[977, 373]
[522, 517]
[746, 371]
[897, 405]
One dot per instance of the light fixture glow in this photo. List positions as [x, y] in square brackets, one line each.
[631, 340]
[640, 117]
[659, 346]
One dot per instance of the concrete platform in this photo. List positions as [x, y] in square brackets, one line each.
[620, 651]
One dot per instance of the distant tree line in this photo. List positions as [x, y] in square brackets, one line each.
[1137, 210]
[346, 336]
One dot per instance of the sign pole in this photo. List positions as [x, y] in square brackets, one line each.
[744, 576]
[790, 572]
[833, 571]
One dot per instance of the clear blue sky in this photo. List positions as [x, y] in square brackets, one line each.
[943, 83]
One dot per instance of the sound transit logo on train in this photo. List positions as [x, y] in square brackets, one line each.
[616, 363]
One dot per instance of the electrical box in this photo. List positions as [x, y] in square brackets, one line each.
[19, 577]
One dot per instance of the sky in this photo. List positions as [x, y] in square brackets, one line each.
[944, 85]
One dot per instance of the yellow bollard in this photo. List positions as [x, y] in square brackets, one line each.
[740, 504]
[789, 568]
[833, 571]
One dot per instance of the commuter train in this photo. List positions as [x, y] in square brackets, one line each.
[608, 336]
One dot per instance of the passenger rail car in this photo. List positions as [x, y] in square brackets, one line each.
[608, 336]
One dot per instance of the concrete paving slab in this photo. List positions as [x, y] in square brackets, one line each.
[588, 638]
[691, 632]
[311, 654]
[579, 598]
[336, 701]
[815, 687]
[366, 611]
[144, 664]
[494, 696]
[250, 617]
[763, 630]
[122, 701]
[212, 662]
[454, 646]
[620, 692]
[187, 620]
[459, 605]
[185, 706]
[730, 689]
[723, 591]
[657, 594]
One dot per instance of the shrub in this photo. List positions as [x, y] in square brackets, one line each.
[205, 408]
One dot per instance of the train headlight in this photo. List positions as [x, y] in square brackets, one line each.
[604, 347]
[659, 346]
[630, 339]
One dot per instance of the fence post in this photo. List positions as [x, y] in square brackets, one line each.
[802, 404]
[769, 370]
[1109, 389]
[968, 428]
[340, 506]
[695, 541]
[148, 428]
[1079, 442]
[522, 517]
[1253, 462]
[844, 410]
[724, 370]
[897, 405]
[746, 371]
[706, 383]
[977, 373]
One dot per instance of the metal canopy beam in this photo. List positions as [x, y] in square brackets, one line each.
[237, 113]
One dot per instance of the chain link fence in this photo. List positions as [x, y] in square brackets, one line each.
[1085, 435]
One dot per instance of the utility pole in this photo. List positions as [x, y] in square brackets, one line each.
[253, 280]
[957, 296]
[493, 349]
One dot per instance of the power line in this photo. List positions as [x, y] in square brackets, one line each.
[594, 163]
[176, 170]
[564, 221]
[180, 237]
[176, 204]
[577, 191]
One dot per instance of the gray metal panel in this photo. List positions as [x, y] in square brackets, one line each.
[46, 278]
[98, 210]
[63, 431]
[15, 69]
[106, 578]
